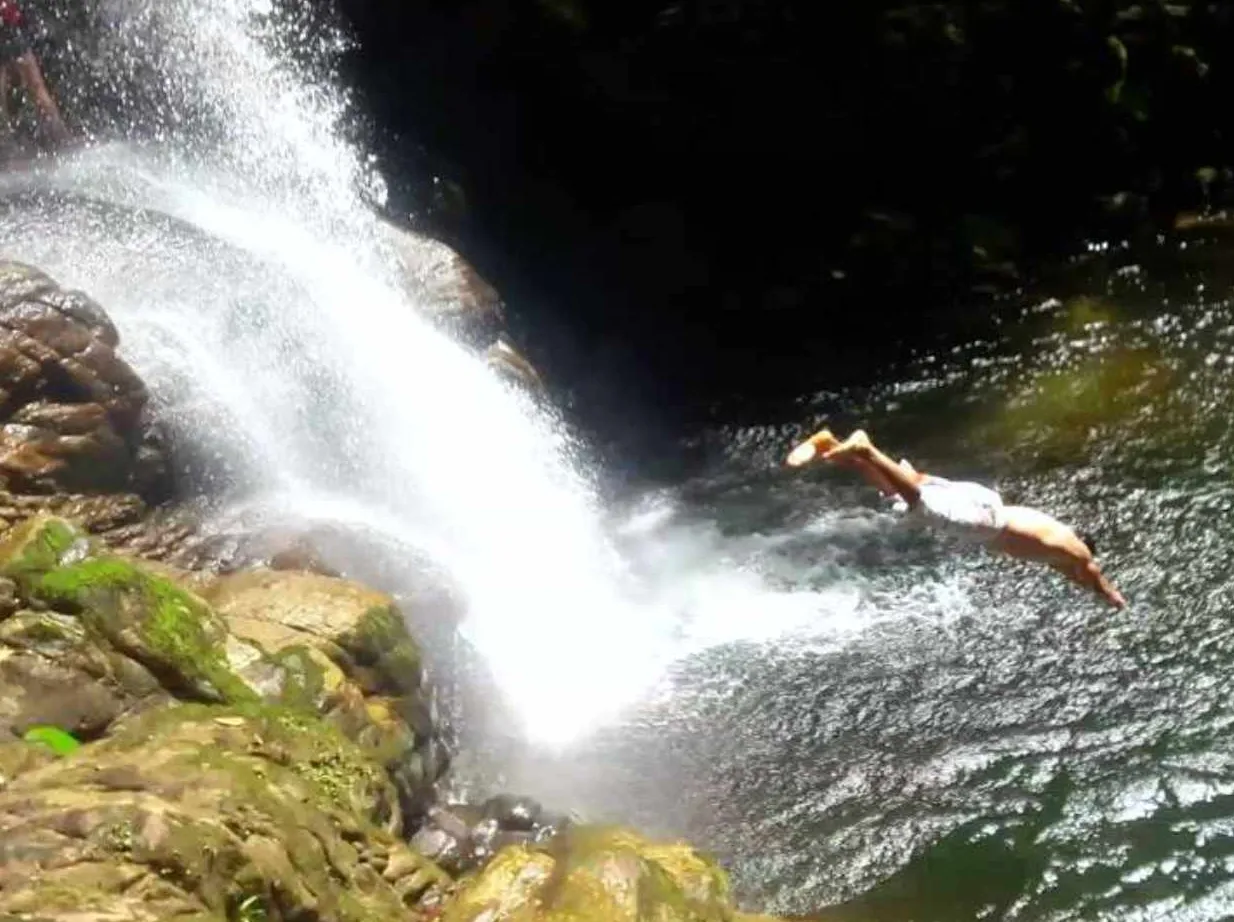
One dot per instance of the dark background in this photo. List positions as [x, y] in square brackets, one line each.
[703, 209]
[710, 206]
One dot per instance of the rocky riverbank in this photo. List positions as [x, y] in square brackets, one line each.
[181, 740]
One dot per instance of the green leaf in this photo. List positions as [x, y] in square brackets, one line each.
[58, 741]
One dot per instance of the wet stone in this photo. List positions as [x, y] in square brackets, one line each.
[451, 822]
[507, 839]
[518, 814]
[432, 842]
[482, 837]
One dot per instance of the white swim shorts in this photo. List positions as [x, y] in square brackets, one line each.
[961, 507]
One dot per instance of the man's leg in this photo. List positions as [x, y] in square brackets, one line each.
[6, 114]
[879, 468]
[822, 442]
[870, 472]
[32, 77]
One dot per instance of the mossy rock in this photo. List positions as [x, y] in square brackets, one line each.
[118, 605]
[600, 874]
[38, 545]
[99, 621]
[197, 810]
[170, 631]
[360, 629]
[348, 655]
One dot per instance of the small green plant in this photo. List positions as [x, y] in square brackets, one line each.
[55, 739]
[251, 909]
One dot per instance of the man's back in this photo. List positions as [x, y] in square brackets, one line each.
[1033, 534]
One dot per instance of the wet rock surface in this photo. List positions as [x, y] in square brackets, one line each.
[197, 809]
[72, 411]
[360, 664]
[454, 296]
[597, 874]
[464, 837]
[446, 287]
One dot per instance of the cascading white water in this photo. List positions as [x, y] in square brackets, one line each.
[272, 330]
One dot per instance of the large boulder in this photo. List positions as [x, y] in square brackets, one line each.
[72, 414]
[444, 286]
[455, 297]
[88, 637]
[75, 437]
[375, 684]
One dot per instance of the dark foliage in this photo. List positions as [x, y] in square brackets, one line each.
[718, 197]
[696, 190]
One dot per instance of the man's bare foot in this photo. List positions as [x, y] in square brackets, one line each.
[820, 442]
[855, 445]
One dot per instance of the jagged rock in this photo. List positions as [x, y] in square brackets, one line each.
[512, 365]
[74, 437]
[71, 410]
[462, 837]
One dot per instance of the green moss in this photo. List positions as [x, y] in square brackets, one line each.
[304, 682]
[166, 629]
[36, 546]
[601, 874]
[303, 744]
[381, 639]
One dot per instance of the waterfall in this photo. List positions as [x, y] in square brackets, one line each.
[256, 293]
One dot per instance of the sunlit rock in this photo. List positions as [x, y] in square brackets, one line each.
[202, 810]
[600, 874]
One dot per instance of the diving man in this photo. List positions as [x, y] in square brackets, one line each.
[966, 508]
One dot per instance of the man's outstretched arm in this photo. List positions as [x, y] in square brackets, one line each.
[1089, 575]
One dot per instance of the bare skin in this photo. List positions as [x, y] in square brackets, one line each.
[1027, 534]
[27, 70]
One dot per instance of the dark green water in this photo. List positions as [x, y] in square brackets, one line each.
[967, 737]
